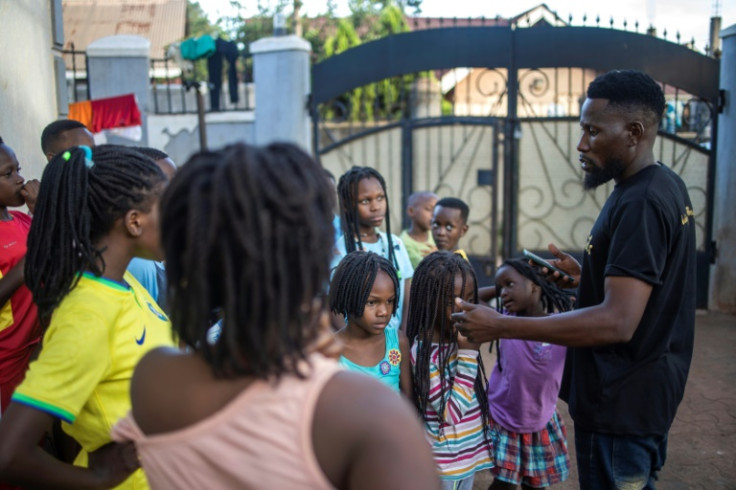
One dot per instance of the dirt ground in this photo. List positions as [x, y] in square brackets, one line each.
[701, 452]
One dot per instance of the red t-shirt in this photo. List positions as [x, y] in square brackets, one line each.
[19, 328]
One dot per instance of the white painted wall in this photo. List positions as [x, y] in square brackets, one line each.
[178, 134]
[723, 273]
[27, 86]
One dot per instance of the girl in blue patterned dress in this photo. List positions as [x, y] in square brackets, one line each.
[365, 291]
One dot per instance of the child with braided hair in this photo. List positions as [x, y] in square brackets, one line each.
[248, 232]
[449, 379]
[528, 432]
[96, 210]
[364, 291]
[363, 209]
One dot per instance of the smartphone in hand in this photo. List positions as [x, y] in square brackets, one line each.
[543, 263]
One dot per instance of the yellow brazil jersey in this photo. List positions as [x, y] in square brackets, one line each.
[462, 254]
[96, 336]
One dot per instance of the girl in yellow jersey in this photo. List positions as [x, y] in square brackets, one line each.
[96, 210]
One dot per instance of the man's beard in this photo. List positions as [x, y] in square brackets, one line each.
[596, 176]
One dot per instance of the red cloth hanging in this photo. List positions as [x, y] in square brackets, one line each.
[115, 112]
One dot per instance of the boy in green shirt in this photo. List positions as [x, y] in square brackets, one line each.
[417, 238]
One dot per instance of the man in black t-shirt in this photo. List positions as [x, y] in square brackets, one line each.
[631, 339]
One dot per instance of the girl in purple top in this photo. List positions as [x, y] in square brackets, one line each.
[528, 433]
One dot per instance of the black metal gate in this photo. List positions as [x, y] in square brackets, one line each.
[490, 115]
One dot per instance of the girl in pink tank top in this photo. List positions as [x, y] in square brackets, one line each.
[247, 233]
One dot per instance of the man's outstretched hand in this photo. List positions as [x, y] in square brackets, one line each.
[477, 323]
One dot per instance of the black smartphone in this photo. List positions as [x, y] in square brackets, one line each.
[543, 263]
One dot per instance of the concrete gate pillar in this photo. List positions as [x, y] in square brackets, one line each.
[118, 65]
[281, 72]
[723, 273]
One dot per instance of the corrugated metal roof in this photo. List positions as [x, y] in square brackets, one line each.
[160, 21]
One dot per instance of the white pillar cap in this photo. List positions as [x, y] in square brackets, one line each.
[280, 43]
[120, 46]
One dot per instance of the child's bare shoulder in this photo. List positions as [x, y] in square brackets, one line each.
[172, 389]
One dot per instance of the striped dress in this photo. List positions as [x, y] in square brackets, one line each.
[460, 448]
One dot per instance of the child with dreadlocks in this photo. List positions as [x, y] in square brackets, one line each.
[96, 210]
[449, 380]
[363, 209]
[248, 231]
[364, 291]
[528, 432]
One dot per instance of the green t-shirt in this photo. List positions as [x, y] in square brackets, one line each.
[417, 250]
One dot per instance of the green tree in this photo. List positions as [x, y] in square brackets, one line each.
[197, 22]
[362, 10]
[359, 102]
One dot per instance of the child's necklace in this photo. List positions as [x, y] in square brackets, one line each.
[383, 251]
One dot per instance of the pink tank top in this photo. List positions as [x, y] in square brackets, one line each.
[261, 439]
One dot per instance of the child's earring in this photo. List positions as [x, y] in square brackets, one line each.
[345, 316]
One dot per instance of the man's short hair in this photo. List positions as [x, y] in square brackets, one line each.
[455, 203]
[1, 141]
[53, 131]
[629, 90]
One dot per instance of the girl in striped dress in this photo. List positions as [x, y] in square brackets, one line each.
[449, 380]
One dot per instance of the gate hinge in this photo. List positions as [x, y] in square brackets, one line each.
[712, 252]
[721, 101]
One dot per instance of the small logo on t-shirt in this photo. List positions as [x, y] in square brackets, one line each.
[160, 315]
[588, 245]
[394, 357]
[385, 367]
[542, 351]
[685, 218]
[142, 338]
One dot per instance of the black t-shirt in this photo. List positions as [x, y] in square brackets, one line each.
[646, 230]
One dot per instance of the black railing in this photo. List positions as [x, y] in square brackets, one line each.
[79, 83]
[174, 89]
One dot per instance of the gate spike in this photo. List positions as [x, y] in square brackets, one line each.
[569, 19]
[664, 34]
[585, 17]
[636, 25]
[677, 36]
[625, 24]
[597, 20]
[611, 21]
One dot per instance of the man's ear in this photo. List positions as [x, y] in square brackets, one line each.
[636, 132]
[464, 230]
[133, 222]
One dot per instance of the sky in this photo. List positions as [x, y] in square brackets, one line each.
[690, 17]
